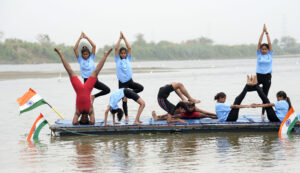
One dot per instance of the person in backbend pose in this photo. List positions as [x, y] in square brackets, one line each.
[118, 96]
[84, 107]
[191, 112]
[264, 63]
[181, 107]
[124, 71]
[226, 112]
[87, 65]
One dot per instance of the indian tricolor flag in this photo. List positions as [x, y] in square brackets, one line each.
[30, 100]
[288, 123]
[39, 123]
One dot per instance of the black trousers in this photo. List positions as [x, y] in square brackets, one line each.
[136, 87]
[270, 111]
[265, 80]
[100, 86]
[234, 113]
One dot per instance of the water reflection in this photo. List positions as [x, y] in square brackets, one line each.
[178, 152]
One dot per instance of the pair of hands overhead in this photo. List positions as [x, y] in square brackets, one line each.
[83, 35]
[121, 35]
[265, 29]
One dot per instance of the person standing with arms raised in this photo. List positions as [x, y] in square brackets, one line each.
[87, 65]
[264, 63]
[124, 71]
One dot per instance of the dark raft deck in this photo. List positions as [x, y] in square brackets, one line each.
[245, 124]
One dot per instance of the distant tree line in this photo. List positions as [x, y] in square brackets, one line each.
[22, 52]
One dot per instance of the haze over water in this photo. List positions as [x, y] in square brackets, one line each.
[225, 152]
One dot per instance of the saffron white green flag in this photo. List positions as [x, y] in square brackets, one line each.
[39, 123]
[288, 123]
[30, 100]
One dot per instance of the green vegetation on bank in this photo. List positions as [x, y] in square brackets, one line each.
[16, 51]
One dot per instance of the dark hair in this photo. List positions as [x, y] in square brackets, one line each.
[85, 49]
[181, 104]
[264, 44]
[284, 96]
[119, 112]
[220, 95]
[84, 115]
[121, 49]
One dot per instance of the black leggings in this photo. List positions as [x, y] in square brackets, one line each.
[270, 111]
[136, 87]
[234, 113]
[100, 86]
[265, 80]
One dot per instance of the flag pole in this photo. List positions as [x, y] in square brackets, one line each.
[55, 111]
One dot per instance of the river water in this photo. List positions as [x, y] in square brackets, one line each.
[224, 152]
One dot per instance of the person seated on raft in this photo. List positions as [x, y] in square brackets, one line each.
[282, 106]
[116, 97]
[164, 93]
[226, 112]
[84, 105]
[191, 112]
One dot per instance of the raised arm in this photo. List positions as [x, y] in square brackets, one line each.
[261, 38]
[269, 40]
[76, 45]
[118, 45]
[127, 44]
[91, 42]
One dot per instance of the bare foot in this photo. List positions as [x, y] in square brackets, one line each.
[254, 81]
[137, 123]
[126, 118]
[249, 80]
[154, 116]
[92, 98]
[194, 100]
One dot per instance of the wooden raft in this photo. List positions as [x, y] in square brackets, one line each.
[246, 124]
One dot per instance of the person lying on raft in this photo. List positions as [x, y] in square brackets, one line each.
[282, 106]
[174, 117]
[164, 93]
[191, 112]
[116, 97]
[226, 112]
[84, 107]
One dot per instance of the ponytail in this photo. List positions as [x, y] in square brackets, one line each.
[289, 102]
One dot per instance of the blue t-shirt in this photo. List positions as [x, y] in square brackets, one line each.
[123, 67]
[222, 111]
[86, 66]
[264, 62]
[115, 97]
[281, 109]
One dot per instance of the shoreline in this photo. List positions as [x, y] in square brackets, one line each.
[12, 75]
